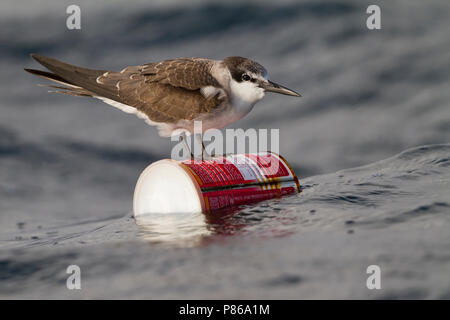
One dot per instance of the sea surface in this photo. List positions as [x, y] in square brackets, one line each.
[369, 141]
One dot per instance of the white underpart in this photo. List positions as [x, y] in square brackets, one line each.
[164, 129]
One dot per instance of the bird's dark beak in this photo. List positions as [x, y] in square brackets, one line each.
[275, 87]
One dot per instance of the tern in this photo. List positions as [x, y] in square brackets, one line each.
[171, 94]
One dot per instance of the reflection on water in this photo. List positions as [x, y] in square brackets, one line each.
[370, 197]
[394, 212]
[376, 196]
[194, 229]
[186, 229]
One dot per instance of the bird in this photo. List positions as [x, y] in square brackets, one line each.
[170, 94]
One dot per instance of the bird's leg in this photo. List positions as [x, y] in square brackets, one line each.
[186, 146]
[205, 155]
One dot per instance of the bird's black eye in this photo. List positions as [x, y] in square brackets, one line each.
[245, 77]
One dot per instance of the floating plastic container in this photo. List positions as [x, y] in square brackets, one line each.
[170, 186]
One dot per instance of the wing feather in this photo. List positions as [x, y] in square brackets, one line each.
[188, 73]
[166, 91]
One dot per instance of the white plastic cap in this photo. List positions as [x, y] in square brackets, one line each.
[166, 187]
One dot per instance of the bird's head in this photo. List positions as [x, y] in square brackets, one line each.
[249, 80]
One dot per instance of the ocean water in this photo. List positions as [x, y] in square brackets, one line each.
[369, 141]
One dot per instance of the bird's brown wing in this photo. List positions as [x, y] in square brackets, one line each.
[188, 73]
[165, 91]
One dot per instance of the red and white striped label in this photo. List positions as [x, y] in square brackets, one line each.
[240, 179]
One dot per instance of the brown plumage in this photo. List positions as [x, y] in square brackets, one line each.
[166, 91]
[171, 94]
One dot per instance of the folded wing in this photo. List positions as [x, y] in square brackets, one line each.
[166, 91]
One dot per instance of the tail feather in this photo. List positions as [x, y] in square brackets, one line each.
[50, 76]
[68, 87]
[73, 93]
[82, 81]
